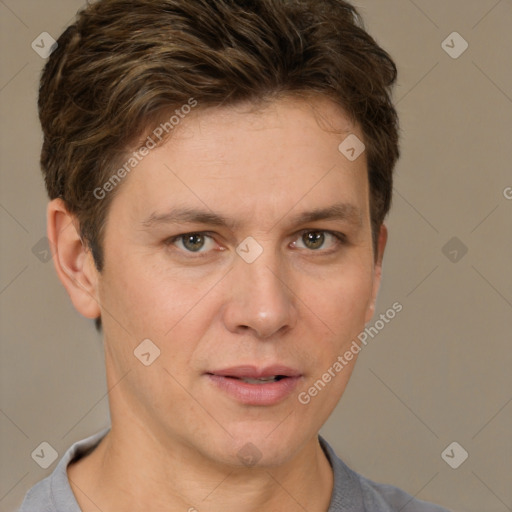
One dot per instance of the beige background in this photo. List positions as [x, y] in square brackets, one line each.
[439, 372]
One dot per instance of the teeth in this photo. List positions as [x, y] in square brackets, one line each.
[259, 381]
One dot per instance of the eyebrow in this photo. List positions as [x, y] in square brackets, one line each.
[340, 211]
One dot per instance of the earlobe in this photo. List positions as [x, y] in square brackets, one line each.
[381, 246]
[72, 259]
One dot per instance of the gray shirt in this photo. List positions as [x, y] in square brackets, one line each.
[351, 492]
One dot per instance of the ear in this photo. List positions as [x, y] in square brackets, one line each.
[381, 245]
[72, 259]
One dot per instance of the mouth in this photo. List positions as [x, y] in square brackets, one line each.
[250, 385]
[262, 380]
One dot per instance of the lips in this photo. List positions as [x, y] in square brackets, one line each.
[256, 386]
[252, 372]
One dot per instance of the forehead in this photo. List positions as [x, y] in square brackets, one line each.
[241, 160]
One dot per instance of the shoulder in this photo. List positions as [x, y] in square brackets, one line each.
[38, 498]
[54, 494]
[353, 492]
[394, 498]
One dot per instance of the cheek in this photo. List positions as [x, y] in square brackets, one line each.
[342, 300]
[147, 301]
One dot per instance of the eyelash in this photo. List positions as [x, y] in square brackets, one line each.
[340, 240]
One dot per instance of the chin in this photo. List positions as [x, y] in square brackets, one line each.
[256, 448]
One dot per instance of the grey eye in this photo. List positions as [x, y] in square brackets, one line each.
[313, 239]
[193, 242]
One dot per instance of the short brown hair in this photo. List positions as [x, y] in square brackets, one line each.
[123, 64]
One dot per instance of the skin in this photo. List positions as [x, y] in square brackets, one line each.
[175, 437]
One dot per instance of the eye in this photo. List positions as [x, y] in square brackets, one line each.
[315, 240]
[202, 243]
[192, 242]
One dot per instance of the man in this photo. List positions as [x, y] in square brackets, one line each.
[219, 173]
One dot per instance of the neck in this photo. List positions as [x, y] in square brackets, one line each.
[133, 471]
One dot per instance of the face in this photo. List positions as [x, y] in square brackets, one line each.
[242, 249]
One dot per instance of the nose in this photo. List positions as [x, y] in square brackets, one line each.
[261, 301]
